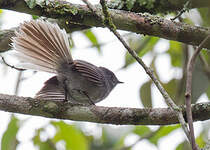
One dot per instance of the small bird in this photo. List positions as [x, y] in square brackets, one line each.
[43, 46]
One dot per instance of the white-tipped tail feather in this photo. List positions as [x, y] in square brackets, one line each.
[41, 45]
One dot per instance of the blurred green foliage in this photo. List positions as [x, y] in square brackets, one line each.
[142, 46]
[92, 38]
[145, 94]
[73, 137]
[175, 51]
[162, 132]
[9, 140]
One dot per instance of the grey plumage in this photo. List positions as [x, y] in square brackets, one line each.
[44, 46]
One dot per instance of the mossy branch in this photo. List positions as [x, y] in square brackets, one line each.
[140, 23]
[157, 6]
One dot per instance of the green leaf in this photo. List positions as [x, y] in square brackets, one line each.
[9, 141]
[92, 38]
[188, 21]
[206, 55]
[208, 92]
[205, 14]
[200, 140]
[35, 17]
[175, 52]
[31, 3]
[141, 46]
[108, 136]
[141, 130]
[164, 131]
[184, 146]
[74, 138]
[130, 3]
[143, 49]
[120, 143]
[171, 87]
[176, 89]
[43, 145]
[145, 94]
[200, 81]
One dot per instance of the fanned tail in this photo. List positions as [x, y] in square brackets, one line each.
[42, 45]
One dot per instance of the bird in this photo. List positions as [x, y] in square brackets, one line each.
[44, 46]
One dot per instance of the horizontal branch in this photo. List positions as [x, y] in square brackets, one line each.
[98, 114]
[157, 6]
[139, 23]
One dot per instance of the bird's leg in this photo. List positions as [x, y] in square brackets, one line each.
[89, 99]
[65, 91]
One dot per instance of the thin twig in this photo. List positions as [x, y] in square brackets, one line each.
[90, 6]
[13, 67]
[18, 82]
[178, 15]
[184, 9]
[93, 9]
[108, 22]
[188, 93]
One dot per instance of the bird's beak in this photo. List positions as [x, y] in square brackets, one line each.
[119, 82]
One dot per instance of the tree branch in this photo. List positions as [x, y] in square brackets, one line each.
[157, 6]
[98, 114]
[188, 93]
[139, 23]
[13, 67]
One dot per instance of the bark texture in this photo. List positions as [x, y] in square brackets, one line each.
[98, 114]
[157, 6]
[141, 23]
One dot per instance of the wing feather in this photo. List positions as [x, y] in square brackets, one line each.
[90, 72]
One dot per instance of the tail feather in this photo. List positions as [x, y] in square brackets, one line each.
[42, 44]
[32, 65]
[23, 46]
[57, 37]
[38, 41]
[37, 67]
[49, 36]
[51, 90]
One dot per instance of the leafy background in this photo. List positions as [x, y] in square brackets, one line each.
[168, 60]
